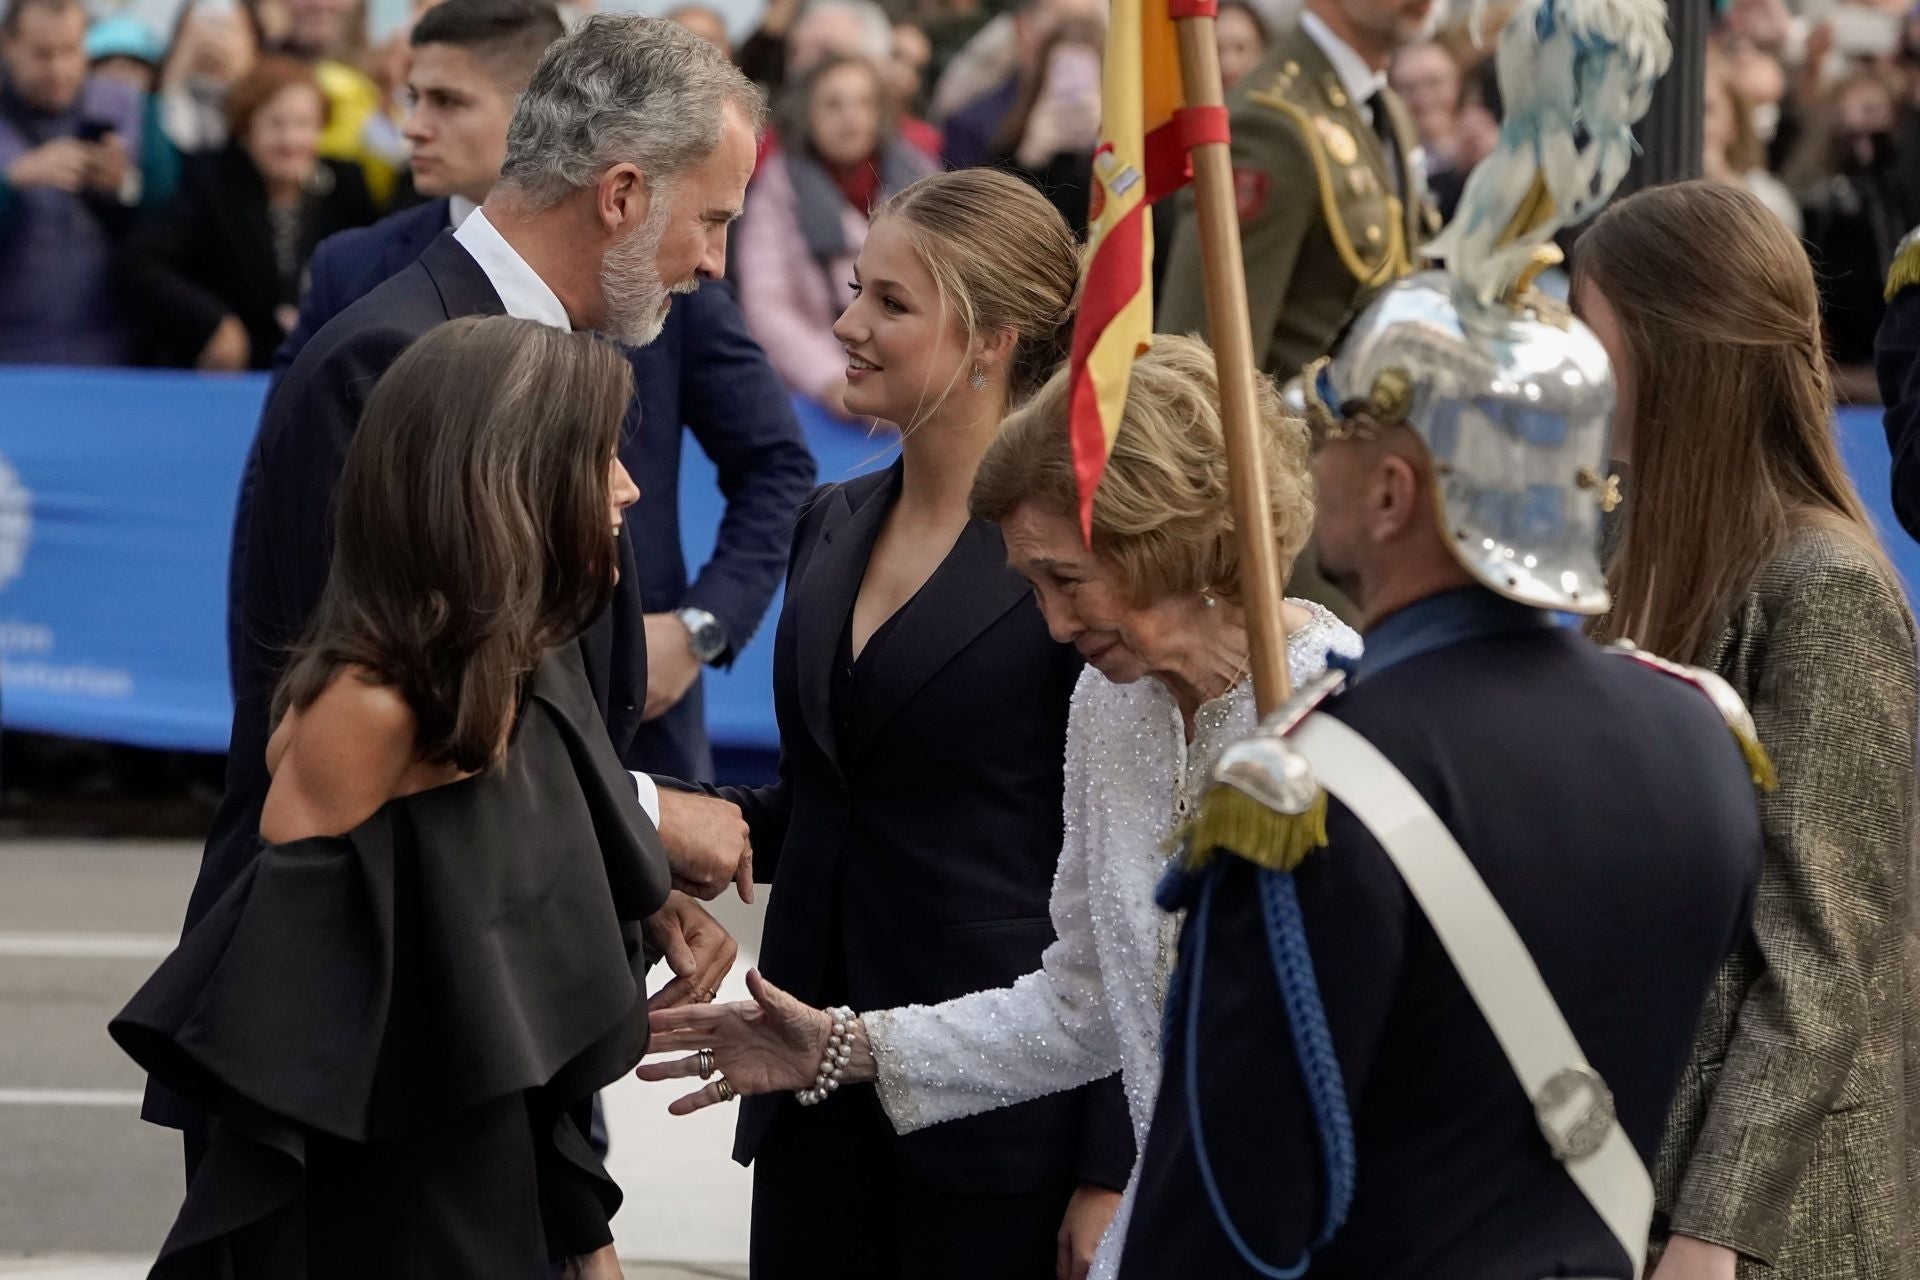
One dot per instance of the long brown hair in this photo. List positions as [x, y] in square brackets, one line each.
[1732, 412]
[472, 529]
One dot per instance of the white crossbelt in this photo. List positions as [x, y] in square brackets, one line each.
[1571, 1103]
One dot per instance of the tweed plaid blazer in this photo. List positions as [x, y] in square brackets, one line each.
[1795, 1135]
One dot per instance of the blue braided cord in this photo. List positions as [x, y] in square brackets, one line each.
[1197, 925]
[1312, 1043]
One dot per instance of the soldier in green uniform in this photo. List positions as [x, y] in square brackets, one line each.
[1331, 194]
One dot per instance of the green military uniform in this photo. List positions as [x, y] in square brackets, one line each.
[1321, 221]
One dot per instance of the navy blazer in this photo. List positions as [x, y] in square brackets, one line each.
[913, 848]
[704, 372]
[1896, 358]
[1612, 817]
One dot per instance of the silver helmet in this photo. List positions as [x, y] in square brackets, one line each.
[1513, 401]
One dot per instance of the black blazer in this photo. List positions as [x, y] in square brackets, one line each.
[704, 372]
[283, 534]
[927, 836]
[208, 253]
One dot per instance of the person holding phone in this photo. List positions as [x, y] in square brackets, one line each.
[69, 181]
[1049, 136]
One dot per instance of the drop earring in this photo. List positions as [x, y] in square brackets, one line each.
[977, 379]
[1208, 599]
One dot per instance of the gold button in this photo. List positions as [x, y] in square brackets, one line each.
[1373, 235]
[1338, 98]
[1291, 68]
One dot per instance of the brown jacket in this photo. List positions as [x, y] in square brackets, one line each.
[1795, 1135]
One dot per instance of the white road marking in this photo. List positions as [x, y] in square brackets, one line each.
[88, 946]
[70, 1097]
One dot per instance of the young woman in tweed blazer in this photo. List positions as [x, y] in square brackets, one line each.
[1793, 1150]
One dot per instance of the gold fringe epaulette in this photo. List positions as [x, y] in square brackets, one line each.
[1263, 804]
[1730, 705]
[1905, 272]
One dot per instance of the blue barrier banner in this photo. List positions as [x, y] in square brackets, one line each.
[116, 505]
[117, 492]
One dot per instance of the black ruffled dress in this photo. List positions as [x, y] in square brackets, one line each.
[390, 1028]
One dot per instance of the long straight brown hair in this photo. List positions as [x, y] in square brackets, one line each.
[472, 529]
[1733, 446]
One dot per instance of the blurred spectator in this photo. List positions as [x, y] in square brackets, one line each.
[791, 40]
[1855, 208]
[1241, 33]
[1050, 134]
[982, 85]
[906, 71]
[1731, 150]
[214, 44]
[1428, 80]
[216, 275]
[124, 49]
[331, 37]
[1476, 131]
[806, 218]
[69, 182]
[705, 23]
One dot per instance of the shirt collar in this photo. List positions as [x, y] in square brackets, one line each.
[1463, 613]
[459, 209]
[1359, 80]
[522, 292]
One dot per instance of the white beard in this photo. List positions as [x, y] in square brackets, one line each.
[635, 298]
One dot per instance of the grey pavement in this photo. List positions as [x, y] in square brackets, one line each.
[87, 1190]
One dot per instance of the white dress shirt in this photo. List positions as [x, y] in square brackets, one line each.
[1359, 80]
[526, 297]
[459, 209]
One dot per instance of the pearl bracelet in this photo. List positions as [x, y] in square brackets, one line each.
[834, 1061]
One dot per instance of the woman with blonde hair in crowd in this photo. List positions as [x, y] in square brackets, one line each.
[1156, 608]
[1793, 1150]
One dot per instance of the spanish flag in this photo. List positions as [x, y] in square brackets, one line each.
[1141, 158]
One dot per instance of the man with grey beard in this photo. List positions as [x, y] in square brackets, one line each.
[627, 158]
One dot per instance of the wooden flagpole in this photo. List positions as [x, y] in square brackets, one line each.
[1232, 338]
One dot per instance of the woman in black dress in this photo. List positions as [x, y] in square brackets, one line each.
[913, 835]
[393, 1016]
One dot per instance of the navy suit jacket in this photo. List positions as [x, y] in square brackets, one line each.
[704, 372]
[1896, 358]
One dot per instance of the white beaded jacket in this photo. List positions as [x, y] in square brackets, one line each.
[1094, 1004]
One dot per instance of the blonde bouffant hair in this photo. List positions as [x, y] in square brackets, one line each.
[1162, 513]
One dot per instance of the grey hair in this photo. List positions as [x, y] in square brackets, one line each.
[620, 88]
[876, 28]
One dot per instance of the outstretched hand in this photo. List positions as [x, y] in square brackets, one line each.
[697, 948]
[770, 1044]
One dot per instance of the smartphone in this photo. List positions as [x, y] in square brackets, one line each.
[1860, 31]
[94, 130]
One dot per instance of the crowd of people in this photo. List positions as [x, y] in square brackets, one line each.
[161, 192]
[1063, 975]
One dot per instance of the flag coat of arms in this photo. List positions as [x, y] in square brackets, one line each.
[1142, 157]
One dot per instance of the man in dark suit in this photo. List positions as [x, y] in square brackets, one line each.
[628, 157]
[1355, 1082]
[471, 59]
[1896, 360]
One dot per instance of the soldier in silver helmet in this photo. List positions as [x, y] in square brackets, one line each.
[1443, 1043]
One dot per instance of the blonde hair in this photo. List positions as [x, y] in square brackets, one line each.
[1001, 258]
[1733, 445]
[1162, 513]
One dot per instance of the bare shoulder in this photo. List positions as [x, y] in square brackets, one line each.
[339, 759]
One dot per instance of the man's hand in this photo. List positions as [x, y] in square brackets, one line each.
[108, 165]
[1688, 1259]
[671, 666]
[695, 947]
[707, 844]
[228, 350]
[61, 164]
[1089, 1214]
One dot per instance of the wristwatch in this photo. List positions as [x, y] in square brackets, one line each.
[705, 636]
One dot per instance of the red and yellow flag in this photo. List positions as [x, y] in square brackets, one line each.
[1142, 157]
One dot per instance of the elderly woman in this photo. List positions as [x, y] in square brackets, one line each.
[1155, 609]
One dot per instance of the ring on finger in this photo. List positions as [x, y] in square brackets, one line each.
[725, 1089]
[704, 1059]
